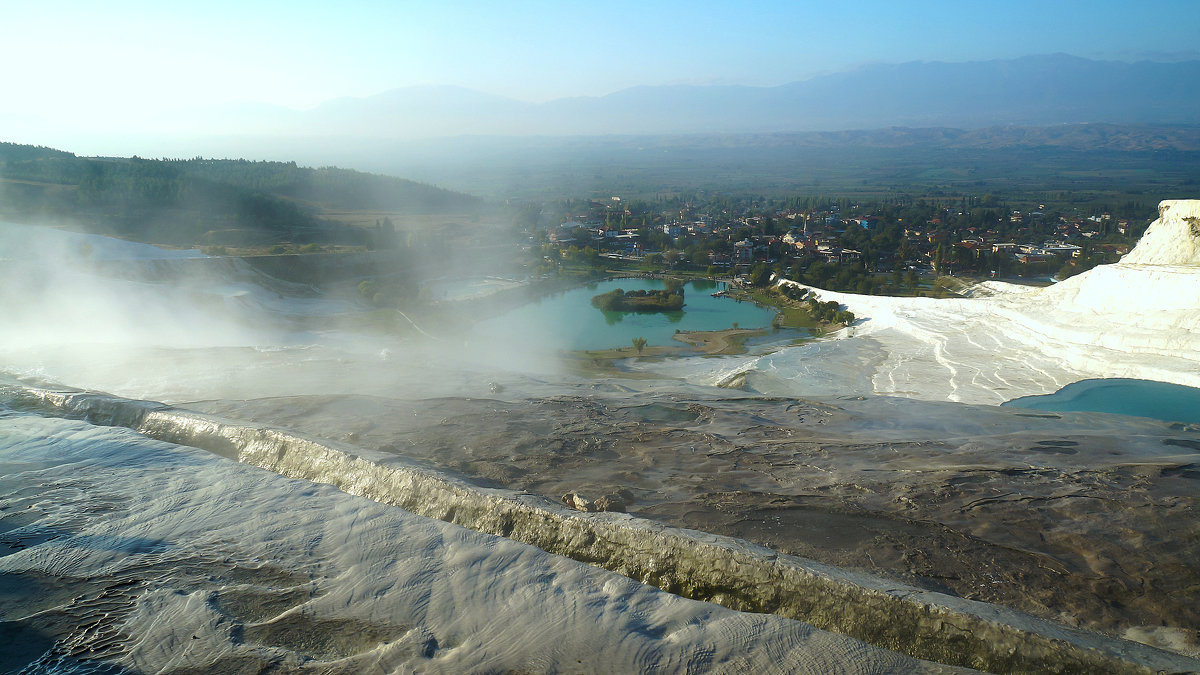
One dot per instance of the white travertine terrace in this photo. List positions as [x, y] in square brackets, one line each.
[1138, 318]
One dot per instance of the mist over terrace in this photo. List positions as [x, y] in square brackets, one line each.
[312, 357]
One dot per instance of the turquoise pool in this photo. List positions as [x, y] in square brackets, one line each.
[1140, 398]
[569, 321]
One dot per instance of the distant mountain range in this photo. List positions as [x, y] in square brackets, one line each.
[1028, 91]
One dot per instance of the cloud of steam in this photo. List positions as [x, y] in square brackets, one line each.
[136, 320]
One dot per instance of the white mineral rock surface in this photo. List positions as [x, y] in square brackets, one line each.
[1138, 318]
[129, 554]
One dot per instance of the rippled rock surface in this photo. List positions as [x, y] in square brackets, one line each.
[1086, 519]
[120, 554]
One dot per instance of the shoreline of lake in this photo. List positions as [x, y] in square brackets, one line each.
[727, 342]
[567, 321]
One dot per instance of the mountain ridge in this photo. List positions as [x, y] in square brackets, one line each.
[1027, 91]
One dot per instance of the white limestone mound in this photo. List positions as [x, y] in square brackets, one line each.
[1161, 273]
[1146, 305]
[1138, 318]
[1173, 239]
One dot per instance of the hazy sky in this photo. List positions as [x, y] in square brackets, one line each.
[105, 66]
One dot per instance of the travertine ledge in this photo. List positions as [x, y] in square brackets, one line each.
[692, 564]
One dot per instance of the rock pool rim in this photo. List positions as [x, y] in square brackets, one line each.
[730, 572]
[1153, 399]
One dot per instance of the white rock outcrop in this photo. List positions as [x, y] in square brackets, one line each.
[1138, 318]
[1173, 239]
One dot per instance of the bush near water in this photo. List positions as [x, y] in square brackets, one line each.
[618, 300]
[670, 299]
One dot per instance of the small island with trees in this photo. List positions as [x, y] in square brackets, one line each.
[670, 299]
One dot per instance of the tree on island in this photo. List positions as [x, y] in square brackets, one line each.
[669, 299]
[639, 343]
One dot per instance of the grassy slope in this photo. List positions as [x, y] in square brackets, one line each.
[216, 202]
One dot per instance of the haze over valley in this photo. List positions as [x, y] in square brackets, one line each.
[526, 337]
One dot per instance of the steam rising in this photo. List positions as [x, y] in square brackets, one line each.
[146, 322]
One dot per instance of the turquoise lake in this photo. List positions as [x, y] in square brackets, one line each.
[569, 321]
[1140, 398]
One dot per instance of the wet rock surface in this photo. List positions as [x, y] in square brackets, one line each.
[143, 556]
[1076, 518]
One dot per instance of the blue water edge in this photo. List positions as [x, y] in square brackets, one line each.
[1139, 398]
[568, 320]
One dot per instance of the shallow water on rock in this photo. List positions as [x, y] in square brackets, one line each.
[1137, 398]
[127, 555]
[1086, 519]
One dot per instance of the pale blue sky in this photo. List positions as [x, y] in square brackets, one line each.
[103, 65]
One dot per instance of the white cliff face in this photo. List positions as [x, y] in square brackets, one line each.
[1139, 318]
[1157, 285]
[1173, 239]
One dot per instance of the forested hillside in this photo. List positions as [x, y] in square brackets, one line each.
[205, 201]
